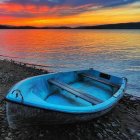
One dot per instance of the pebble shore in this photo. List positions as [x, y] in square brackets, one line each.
[122, 123]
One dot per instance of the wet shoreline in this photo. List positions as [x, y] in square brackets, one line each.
[123, 122]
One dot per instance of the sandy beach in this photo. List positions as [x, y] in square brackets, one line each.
[123, 122]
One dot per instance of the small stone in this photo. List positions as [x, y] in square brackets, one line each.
[133, 98]
[138, 135]
[100, 136]
[96, 125]
[17, 132]
[98, 121]
[114, 124]
[138, 118]
[114, 135]
[127, 137]
[108, 125]
[131, 131]
[2, 130]
[117, 121]
[7, 138]
[104, 132]
[9, 133]
[41, 135]
[108, 130]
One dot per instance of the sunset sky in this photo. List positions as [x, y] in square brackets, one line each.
[68, 12]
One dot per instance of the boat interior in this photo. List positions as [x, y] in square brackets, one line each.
[83, 88]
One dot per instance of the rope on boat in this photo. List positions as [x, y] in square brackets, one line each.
[17, 93]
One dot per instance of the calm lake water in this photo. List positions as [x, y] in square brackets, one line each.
[112, 51]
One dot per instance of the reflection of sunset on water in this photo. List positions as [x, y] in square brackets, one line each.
[113, 51]
[94, 41]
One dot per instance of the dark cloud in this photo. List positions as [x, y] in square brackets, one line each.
[61, 7]
[71, 2]
[37, 2]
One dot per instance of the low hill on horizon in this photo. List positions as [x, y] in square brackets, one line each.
[132, 25]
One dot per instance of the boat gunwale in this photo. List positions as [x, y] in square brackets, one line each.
[74, 112]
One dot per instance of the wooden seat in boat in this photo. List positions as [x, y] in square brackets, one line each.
[98, 80]
[84, 96]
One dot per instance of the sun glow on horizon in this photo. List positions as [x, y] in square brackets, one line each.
[66, 15]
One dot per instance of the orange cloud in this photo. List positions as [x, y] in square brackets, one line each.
[66, 15]
[14, 9]
[11, 8]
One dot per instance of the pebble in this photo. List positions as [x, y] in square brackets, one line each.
[133, 98]
[131, 131]
[41, 135]
[125, 136]
[47, 131]
[9, 134]
[138, 118]
[7, 138]
[114, 124]
[138, 135]
[108, 130]
[104, 132]
[99, 135]
[96, 126]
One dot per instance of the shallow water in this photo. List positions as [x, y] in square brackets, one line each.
[112, 51]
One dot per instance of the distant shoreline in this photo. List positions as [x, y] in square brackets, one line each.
[133, 25]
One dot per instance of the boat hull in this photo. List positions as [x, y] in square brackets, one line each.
[19, 116]
[62, 98]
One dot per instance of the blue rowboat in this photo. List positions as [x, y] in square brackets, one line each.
[63, 97]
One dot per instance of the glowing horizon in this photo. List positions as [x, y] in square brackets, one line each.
[68, 13]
